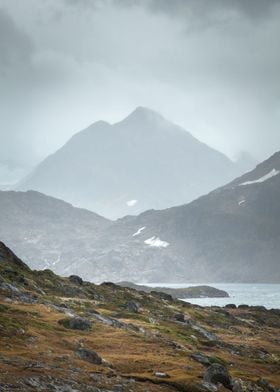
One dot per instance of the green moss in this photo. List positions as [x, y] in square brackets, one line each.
[217, 360]
[10, 324]
[65, 323]
[4, 308]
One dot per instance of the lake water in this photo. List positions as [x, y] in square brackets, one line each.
[267, 295]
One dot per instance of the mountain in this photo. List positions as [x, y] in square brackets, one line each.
[143, 162]
[229, 235]
[67, 334]
[245, 162]
[47, 232]
[11, 173]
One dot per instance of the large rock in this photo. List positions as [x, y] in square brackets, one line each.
[132, 306]
[78, 323]
[179, 317]
[216, 374]
[89, 356]
[76, 280]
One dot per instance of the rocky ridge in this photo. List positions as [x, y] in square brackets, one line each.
[181, 293]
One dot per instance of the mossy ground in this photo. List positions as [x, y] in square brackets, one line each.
[34, 344]
[31, 333]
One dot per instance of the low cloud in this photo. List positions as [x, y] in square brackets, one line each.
[213, 67]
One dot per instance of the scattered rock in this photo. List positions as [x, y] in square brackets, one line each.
[206, 334]
[132, 306]
[115, 323]
[217, 373]
[243, 306]
[262, 382]
[33, 382]
[76, 280]
[275, 311]
[162, 295]
[161, 375]
[231, 306]
[10, 288]
[78, 323]
[109, 284]
[259, 308]
[201, 358]
[237, 386]
[179, 317]
[209, 387]
[89, 356]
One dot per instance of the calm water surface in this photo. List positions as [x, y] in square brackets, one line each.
[267, 295]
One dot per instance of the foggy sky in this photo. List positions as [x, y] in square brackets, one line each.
[212, 66]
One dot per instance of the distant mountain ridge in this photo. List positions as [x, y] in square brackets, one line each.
[49, 233]
[143, 162]
[230, 235]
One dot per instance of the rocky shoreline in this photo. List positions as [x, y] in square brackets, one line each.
[180, 293]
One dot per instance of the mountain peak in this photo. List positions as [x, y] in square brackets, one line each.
[142, 114]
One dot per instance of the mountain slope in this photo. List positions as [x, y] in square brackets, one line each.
[66, 334]
[140, 163]
[232, 234]
[47, 231]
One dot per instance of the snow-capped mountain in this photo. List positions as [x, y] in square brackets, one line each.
[143, 162]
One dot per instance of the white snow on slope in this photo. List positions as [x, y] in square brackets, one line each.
[269, 175]
[139, 231]
[131, 203]
[156, 242]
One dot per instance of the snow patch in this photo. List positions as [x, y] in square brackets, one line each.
[269, 175]
[131, 203]
[58, 258]
[139, 231]
[156, 242]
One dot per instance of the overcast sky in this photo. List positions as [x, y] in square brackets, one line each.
[212, 66]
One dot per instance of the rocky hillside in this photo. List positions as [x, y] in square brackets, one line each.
[229, 235]
[140, 163]
[48, 232]
[65, 334]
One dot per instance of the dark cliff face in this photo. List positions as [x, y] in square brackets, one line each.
[9, 258]
[140, 163]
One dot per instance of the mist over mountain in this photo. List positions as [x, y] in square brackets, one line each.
[146, 238]
[143, 162]
[11, 172]
[47, 231]
[246, 161]
[230, 235]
